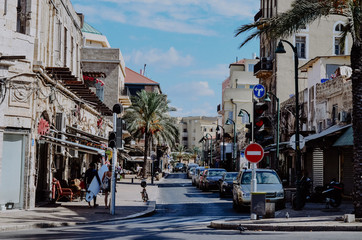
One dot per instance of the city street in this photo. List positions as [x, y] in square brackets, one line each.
[183, 212]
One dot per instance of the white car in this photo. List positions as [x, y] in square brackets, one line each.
[268, 181]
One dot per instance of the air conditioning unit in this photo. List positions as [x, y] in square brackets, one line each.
[342, 116]
[60, 125]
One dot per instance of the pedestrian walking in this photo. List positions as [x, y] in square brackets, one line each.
[89, 175]
[106, 184]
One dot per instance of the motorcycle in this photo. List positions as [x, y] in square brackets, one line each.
[330, 193]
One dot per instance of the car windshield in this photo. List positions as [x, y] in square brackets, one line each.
[231, 176]
[261, 178]
[214, 173]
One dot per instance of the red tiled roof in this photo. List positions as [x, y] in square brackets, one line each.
[133, 77]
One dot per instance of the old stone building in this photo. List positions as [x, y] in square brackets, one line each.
[51, 124]
[325, 118]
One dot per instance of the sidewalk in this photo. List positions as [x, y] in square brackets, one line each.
[129, 204]
[313, 217]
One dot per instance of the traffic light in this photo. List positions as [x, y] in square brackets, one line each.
[120, 126]
[260, 121]
[112, 140]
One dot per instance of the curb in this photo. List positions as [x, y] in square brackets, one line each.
[148, 212]
[275, 227]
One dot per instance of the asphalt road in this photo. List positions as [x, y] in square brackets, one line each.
[183, 212]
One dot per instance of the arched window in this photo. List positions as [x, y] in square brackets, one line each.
[339, 27]
[338, 47]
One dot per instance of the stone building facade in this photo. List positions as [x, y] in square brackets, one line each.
[51, 125]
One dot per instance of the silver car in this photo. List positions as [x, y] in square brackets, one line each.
[268, 181]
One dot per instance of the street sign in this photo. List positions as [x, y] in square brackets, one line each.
[301, 142]
[259, 91]
[254, 153]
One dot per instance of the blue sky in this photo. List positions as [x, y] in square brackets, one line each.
[186, 44]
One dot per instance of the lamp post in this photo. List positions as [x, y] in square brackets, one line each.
[267, 99]
[223, 140]
[228, 122]
[280, 49]
[202, 140]
[206, 136]
[241, 113]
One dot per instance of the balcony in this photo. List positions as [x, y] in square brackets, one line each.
[263, 69]
[125, 97]
[219, 109]
[258, 15]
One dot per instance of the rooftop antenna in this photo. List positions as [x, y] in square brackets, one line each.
[144, 69]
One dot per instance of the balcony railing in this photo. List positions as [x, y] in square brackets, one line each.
[258, 15]
[263, 68]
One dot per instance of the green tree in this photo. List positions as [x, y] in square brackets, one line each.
[148, 118]
[303, 12]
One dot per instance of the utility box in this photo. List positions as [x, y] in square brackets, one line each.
[258, 203]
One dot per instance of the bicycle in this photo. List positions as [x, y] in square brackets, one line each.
[144, 192]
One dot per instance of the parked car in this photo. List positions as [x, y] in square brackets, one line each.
[226, 183]
[268, 181]
[189, 167]
[179, 167]
[210, 179]
[196, 175]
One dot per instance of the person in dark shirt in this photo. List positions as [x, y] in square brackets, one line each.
[89, 175]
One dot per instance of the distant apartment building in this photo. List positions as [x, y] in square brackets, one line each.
[193, 129]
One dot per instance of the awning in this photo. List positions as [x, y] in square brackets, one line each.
[92, 136]
[346, 139]
[137, 159]
[73, 145]
[328, 131]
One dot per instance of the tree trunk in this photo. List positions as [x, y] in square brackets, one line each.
[356, 64]
[144, 167]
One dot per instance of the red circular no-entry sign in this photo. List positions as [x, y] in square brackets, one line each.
[254, 153]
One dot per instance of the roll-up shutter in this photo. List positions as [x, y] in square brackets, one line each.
[317, 167]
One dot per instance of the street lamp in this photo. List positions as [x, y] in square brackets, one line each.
[228, 122]
[202, 140]
[223, 140]
[208, 134]
[267, 99]
[280, 49]
[241, 114]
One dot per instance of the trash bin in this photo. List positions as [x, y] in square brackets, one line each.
[258, 203]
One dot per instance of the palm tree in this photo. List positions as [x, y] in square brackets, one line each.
[302, 13]
[148, 118]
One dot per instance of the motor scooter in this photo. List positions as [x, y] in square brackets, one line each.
[330, 193]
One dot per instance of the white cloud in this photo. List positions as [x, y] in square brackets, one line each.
[201, 109]
[183, 16]
[192, 90]
[162, 59]
[220, 71]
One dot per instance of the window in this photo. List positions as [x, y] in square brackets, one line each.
[251, 67]
[21, 20]
[300, 42]
[338, 48]
[339, 28]
[334, 113]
